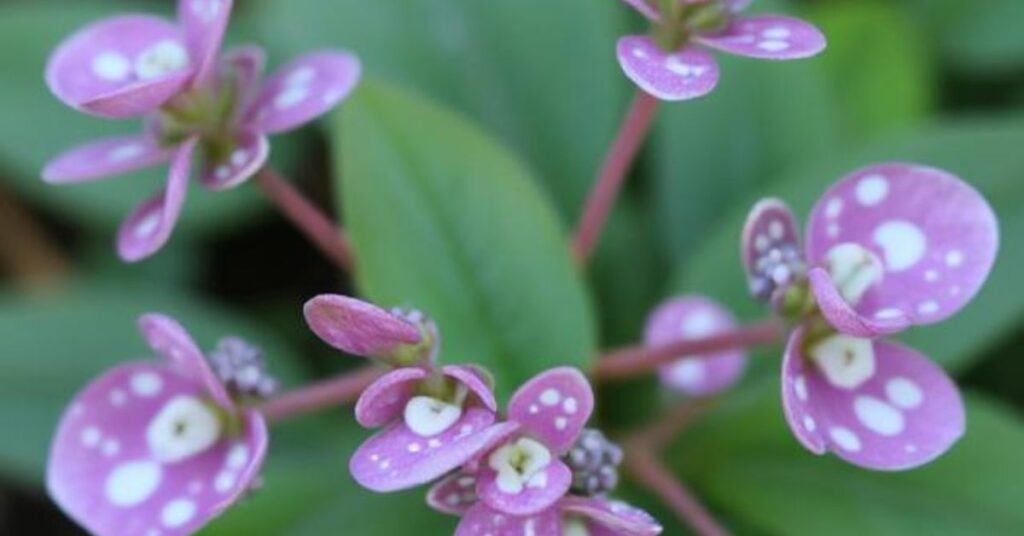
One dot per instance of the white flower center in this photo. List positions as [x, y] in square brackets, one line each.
[184, 427]
[846, 361]
[427, 416]
[162, 58]
[854, 270]
[519, 464]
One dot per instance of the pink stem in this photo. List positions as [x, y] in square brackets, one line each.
[317, 396]
[632, 133]
[318, 228]
[638, 360]
[647, 469]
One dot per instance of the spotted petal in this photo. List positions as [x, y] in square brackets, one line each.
[484, 521]
[149, 227]
[169, 339]
[616, 517]
[104, 158]
[681, 75]
[397, 458]
[937, 238]
[385, 399]
[221, 172]
[770, 248]
[120, 67]
[357, 327]
[645, 8]
[454, 494]
[104, 472]
[470, 376]
[770, 37]
[553, 407]
[905, 414]
[545, 488]
[304, 89]
[695, 317]
[204, 22]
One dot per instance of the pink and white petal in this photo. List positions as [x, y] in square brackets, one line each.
[685, 74]
[172, 342]
[553, 407]
[204, 23]
[645, 8]
[358, 327]
[770, 226]
[936, 235]
[105, 474]
[104, 158]
[846, 319]
[149, 227]
[244, 160]
[385, 399]
[454, 494]
[737, 6]
[469, 376]
[615, 516]
[688, 318]
[244, 65]
[482, 520]
[544, 489]
[770, 37]
[906, 414]
[305, 89]
[398, 458]
[107, 68]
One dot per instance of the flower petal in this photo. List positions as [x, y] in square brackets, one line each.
[937, 238]
[104, 158]
[469, 376]
[357, 327]
[616, 516]
[204, 22]
[397, 458]
[644, 8]
[235, 167]
[553, 407]
[681, 75]
[455, 494]
[107, 68]
[385, 399]
[907, 413]
[845, 318]
[304, 89]
[104, 473]
[541, 492]
[245, 65]
[770, 37]
[484, 521]
[770, 248]
[169, 339]
[695, 317]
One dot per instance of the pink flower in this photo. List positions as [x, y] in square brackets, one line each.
[570, 515]
[169, 73]
[435, 418]
[889, 246]
[155, 447]
[672, 64]
[695, 317]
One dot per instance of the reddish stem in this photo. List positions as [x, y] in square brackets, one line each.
[638, 360]
[318, 228]
[317, 396]
[632, 133]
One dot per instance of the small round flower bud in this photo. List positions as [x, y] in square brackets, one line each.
[594, 461]
[241, 367]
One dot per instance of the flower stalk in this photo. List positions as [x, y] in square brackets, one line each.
[317, 396]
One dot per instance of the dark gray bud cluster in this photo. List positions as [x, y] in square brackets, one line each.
[775, 269]
[242, 369]
[594, 461]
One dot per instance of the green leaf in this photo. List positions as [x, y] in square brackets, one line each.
[746, 462]
[53, 345]
[445, 220]
[985, 152]
[976, 37]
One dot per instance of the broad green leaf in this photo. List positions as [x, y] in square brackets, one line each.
[52, 345]
[976, 37]
[746, 462]
[445, 220]
[542, 75]
[985, 152]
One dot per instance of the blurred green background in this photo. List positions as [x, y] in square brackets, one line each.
[459, 170]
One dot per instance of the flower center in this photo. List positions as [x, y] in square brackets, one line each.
[185, 426]
[428, 416]
[520, 464]
[846, 361]
[163, 58]
[854, 270]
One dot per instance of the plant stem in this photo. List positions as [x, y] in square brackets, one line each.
[605, 190]
[318, 228]
[638, 360]
[317, 396]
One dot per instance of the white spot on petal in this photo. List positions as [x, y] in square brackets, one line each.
[903, 242]
[291, 97]
[161, 59]
[834, 208]
[561, 423]
[91, 436]
[130, 484]
[570, 405]
[929, 307]
[904, 393]
[845, 438]
[427, 416]
[872, 190]
[184, 427]
[550, 397]
[954, 258]
[847, 362]
[177, 512]
[688, 372]
[147, 384]
[111, 66]
[699, 324]
[111, 448]
[800, 388]
[809, 423]
[773, 45]
[302, 76]
[878, 416]
[224, 482]
[125, 152]
[238, 456]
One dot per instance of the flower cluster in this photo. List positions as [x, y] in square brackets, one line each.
[194, 103]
